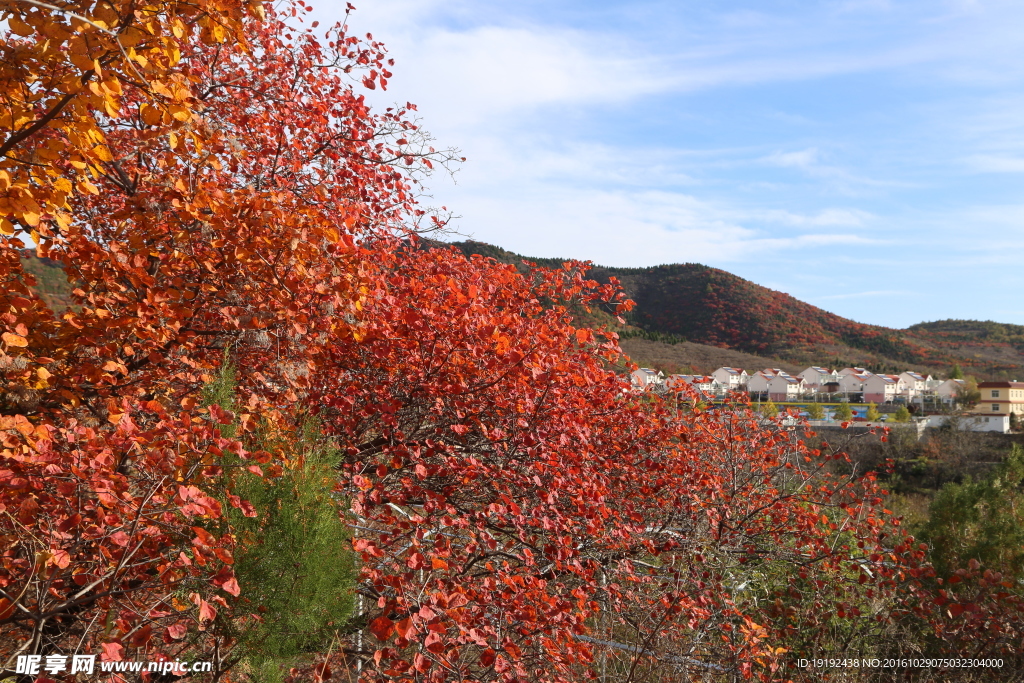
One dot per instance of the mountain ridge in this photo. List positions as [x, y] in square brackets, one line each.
[695, 303]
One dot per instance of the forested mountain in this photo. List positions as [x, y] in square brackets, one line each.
[694, 303]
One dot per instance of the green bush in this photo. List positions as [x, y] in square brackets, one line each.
[980, 520]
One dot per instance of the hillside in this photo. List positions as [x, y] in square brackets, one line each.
[51, 282]
[690, 316]
[706, 306]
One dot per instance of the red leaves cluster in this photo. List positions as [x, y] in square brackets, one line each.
[98, 518]
[523, 516]
[222, 187]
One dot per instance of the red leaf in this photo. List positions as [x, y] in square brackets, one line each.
[207, 612]
[177, 631]
[381, 627]
[111, 652]
[403, 627]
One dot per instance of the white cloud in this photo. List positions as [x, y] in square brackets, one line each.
[985, 163]
[637, 228]
[805, 158]
[824, 218]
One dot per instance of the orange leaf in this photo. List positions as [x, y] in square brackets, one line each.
[14, 339]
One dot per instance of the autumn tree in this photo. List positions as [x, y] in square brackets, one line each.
[207, 176]
[524, 516]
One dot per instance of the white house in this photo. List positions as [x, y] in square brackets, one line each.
[853, 383]
[973, 423]
[758, 382]
[733, 379]
[815, 377]
[916, 384]
[784, 387]
[851, 371]
[645, 378]
[948, 390]
[882, 388]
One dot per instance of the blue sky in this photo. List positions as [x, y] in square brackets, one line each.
[866, 156]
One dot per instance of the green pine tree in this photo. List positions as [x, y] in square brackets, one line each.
[956, 372]
[873, 415]
[901, 414]
[844, 413]
[769, 409]
[293, 561]
[816, 412]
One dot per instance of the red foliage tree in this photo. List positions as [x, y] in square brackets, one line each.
[208, 196]
[523, 515]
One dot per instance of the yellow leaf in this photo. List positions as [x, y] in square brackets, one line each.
[160, 89]
[180, 113]
[62, 185]
[5, 181]
[30, 217]
[43, 373]
[6, 227]
[102, 153]
[12, 339]
[86, 186]
[218, 33]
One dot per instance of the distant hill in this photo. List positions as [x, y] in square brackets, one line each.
[691, 316]
[706, 306]
[51, 282]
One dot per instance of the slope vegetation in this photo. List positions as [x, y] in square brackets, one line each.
[701, 305]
